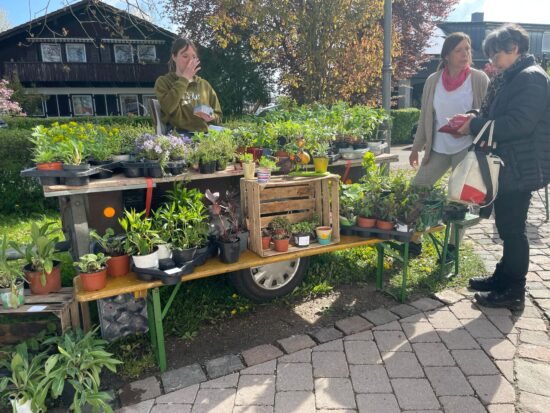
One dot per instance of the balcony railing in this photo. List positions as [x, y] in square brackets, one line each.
[85, 72]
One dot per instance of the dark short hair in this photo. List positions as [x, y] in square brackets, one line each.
[505, 38]
[451, 41]
[177, 45]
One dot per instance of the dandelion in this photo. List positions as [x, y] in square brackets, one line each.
[233, 312]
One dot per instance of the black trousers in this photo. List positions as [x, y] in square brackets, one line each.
[511, 219]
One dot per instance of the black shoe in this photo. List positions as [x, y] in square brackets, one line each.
[510, 299]
[484, 283]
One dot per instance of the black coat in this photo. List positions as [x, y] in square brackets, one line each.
[521, 111]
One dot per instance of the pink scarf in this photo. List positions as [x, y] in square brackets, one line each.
[450, 83]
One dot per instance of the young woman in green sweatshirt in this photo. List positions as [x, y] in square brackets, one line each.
[181, 91]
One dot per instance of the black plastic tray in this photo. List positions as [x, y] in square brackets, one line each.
[168, 277]
[377, 233]
[94, 169]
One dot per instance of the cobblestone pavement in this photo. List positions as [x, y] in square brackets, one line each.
[441, 354]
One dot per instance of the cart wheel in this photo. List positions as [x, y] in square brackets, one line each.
[270, 281]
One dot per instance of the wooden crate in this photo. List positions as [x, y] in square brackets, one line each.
[297, 198]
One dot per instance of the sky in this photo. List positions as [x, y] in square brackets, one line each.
[516, 11]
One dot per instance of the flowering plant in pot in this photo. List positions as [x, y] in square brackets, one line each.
[42, 269]
[265, 167]
[44, 152]
[11, 280]
[228, 219]
[249, 166]
[93, 271]
[116, 247]
[156, 149]
[142, 238]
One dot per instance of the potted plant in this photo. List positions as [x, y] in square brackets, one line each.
[266, 238]
[324, 234]
[280, 242]
[179, 154]
[155, 150]
[74, 153]
[301, 232]
[206, 153]
[320, 150]
[351, 197]
[29, 383]
[385, 212]
[249, 166]
[228, 219]
[42, 269]
[279, 225]
[142, 238]
[76, 368]
[366, 211]
[226, 147]
[11, 280]
[93, 271]
[116, 248]
[44, 152]
[266, 166]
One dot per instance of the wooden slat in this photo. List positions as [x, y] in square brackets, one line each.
[289, 205]
[50, 308]
[292, 218]
[335, 210]
[300, 191]
[325, 214]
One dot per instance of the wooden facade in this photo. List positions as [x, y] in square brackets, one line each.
[83, 64]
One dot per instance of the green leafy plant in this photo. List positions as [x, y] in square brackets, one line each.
[73, 152]
[279, 225]
[246, 158]
[351, 198]
[89, 263]
[142, 237]
[111, 244]
[266, 162]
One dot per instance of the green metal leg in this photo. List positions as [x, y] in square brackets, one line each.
[379, 266]
[156, 330]
[445, 249]
[458, 229]
[405, 271]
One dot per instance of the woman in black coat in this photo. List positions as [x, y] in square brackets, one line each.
[518, 100]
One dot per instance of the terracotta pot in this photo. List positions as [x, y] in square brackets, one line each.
[321, 164]
[118, 266]
[385, 225]
[53, 280]
[366, 222]
[265, 242]
[281, 245]
[49, 166]
[94, 281]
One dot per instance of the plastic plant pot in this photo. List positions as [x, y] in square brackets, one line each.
[266, 241]
[249, 169]
[146, 261]
[263, 175]
[324, 235]
[53, 280]
[49, 166]
[385, 225]
[94, 281]
[364, 222]
[118, 266]
[321, 164]
[281, 245]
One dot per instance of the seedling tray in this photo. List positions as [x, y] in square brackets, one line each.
[72, 178]
[168, 277]
[380, 233]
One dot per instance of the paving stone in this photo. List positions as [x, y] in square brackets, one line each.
[253, 409]
[379, 316]
[433, 354]
[336, 411]
[534, 286]
[223, 366]
[143, 407]
[334, 393]
[466, 292]
[172, 408]
[405, 310]
[265, 368]
[255, 390]
[448, 296]
[329, 364]
[448, 381]
[323, 335]
[296, 343]
[379, 403]
[545, 275]
[533, 403]
[482, 328]
[529, 312]
[498, 349]
[295, 401]
[352, 325]
[414, 394]
[443, 319]
[540, 293]
[544, 304]
[458, 339]
[362, 352]
[538, 338]
[402, 364]
[499, 312]
[392, 341]
[533, 377]
[503, 323]
[294, 377]
[501, 408]
[465, 310]
[535, 324]
[184, 396]
[427, 304]
[302, 356]
[225, 382]
[506, 367]
[461, 404]
[261, 354]
[493, 389]
[214, 401]
[416, 318]
[138, 391]
[370, 379]
[474, 362]
[393, 326]
[364, 336]
[529, 351]
[334, 345]
[420, 332]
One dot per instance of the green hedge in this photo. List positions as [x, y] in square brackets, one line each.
[21, 122]
[403, 121]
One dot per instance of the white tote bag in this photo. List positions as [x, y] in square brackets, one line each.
[475, 179]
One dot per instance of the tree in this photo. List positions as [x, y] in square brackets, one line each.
[4, 21]
[30, 103]
[7, 105]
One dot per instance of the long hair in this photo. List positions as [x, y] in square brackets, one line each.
[449, 44]
[177, 45]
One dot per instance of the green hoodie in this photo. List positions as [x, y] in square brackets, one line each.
[178, 97]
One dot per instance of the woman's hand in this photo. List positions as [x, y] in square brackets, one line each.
[413, 159]
[465, 129]
[205, 117]
[190, 70]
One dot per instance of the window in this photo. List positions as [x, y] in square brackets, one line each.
[129, 104]
[147, 104]
[123, 53]
[76, 52]
[83, 105]
[546, 42]
[51, 52]
[147, 53]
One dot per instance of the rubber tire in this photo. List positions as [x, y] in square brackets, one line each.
[245, 285]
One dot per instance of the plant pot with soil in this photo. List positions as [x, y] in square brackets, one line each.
[280, 242]
[324, 235]
[11, 280]
[93, 271]
[115, 246]
[266, 238]
[142, 238]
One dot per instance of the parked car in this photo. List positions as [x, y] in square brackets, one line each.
[3, 123]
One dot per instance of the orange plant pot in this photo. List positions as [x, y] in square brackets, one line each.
[53, 280]
[94, 281]
[386, 225]
[49, 166]
[118, 266]
[266, 241]
[281, 245]
[366, 222]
